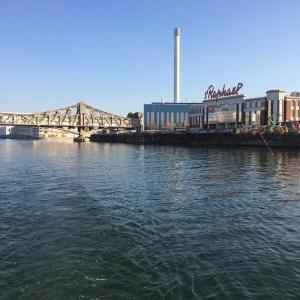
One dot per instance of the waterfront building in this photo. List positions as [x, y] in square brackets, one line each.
[5, 130]
[169, 115]
[222, 110]
[225, 113]
[166, 115]
[35, 132]
[291, 107]
[25, 132]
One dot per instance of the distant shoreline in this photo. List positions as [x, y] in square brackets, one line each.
[19, 137]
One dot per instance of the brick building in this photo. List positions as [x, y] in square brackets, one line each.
[233, 111]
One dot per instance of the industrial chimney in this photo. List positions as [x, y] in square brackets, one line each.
[176, 65]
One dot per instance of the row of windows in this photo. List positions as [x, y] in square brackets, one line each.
[158, 120]
[295, 113]
[195, 121]
[227, 117]
[253, 118]
[248, 104]
[222, 117]
[252, 104]
[165, 116]
[295, 103]
[196, 109]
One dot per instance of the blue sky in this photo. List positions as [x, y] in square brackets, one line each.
[118, 55]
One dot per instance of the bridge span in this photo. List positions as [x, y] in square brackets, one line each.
[80, 117]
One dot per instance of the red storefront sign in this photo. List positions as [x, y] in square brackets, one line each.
[211, 93]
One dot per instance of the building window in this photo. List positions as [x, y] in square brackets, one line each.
[292, 113]
[247, 118]
[257, 119]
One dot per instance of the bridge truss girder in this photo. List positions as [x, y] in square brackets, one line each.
[79, 116]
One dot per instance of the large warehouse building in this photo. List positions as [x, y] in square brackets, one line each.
[222, 109]
[232, 111]
[166, 115]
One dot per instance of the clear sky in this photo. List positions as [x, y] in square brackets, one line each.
[118, 55]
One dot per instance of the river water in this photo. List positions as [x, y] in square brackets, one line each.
[116, 221]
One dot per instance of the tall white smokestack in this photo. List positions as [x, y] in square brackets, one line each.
[176, 65]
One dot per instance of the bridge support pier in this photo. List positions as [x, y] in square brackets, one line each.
[82, 136]
[81, 111]
[80, 139]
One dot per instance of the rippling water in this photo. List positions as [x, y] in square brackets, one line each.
[103, 221]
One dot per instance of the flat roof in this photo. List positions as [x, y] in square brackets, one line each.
[172, 103]
[226, 98]
[256, 98]
[275, 90]
[292, 97]
[15, 113]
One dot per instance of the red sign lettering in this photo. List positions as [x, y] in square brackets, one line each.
[211, 93]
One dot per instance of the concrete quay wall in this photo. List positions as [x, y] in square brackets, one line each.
[201, 139]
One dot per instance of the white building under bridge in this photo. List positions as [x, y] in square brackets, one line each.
[5, 130]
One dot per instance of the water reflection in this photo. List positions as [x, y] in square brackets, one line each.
[148, 222]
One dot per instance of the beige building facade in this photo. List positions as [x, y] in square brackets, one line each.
[236, 111]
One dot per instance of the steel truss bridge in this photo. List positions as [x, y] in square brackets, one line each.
[79, 117]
